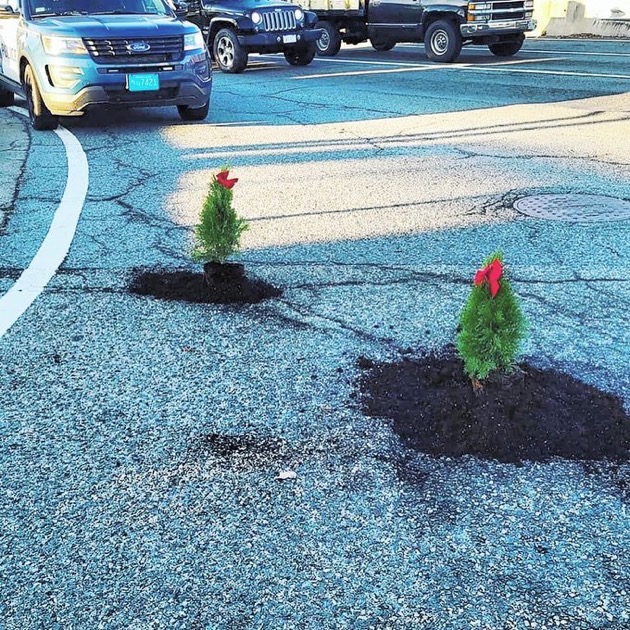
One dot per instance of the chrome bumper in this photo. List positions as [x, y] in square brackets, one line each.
[497, 27]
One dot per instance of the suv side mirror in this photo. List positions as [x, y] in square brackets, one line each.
[181, 9]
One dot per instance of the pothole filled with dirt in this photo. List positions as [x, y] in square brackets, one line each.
[532, 414]
[193, 287]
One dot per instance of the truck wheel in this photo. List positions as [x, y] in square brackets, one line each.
[382, 46]
[186, 112]
[228, 53]
[39, 114]
[329, 44]
[6, 98]
[443, 41]
[507, 49]
[300, 56]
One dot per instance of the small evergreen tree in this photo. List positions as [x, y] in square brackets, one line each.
[219, 232]
[491, 325]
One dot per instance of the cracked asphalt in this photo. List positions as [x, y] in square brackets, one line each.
[140, 440]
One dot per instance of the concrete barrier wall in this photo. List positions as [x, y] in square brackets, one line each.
[608, 18]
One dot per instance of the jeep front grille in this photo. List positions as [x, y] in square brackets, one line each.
[162, 49]
[279, 20]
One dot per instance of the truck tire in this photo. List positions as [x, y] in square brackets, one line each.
[300, 56]
[329, 44]
[39, 114]
[443, 41]
[186, 112]
[6, 98]
[507, 49]
[382, 46]
[228, 53]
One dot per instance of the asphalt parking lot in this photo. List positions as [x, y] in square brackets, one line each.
[374, 185]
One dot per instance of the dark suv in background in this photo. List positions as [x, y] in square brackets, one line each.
[236, 28]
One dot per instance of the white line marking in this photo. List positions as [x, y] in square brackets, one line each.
[54, 248]
[564, 73]
[406, 67]
[573, 52]
[325, 75]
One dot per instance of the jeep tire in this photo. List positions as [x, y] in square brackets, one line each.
[382, 46]
[443, 41]
[300, 55]
[329, 44]
[228, 53]
[39, 114]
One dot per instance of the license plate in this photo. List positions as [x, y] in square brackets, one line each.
[289, 39]
[143, 82]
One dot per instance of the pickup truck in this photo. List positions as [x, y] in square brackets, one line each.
[444, 26]
[236, 28]
[64, 56]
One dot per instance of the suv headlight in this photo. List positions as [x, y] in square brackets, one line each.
[194, 41]
[256, 17]
[63, 45]
[299, 15]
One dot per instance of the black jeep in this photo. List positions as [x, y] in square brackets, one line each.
[235, 28]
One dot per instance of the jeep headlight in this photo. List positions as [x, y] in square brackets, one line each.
[194, 41]
[63, 45]
[299, 15]
[256, 17]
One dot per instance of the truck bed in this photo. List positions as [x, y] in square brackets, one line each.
[334, 6]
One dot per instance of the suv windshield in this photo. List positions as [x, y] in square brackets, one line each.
[45, 8]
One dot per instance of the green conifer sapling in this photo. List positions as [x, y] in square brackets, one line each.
[219, 231]
[491, 325]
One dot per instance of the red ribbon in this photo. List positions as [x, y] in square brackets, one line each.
[222, 178]
[491, 273]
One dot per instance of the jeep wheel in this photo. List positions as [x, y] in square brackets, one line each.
[507, 49]
[228, 53]
[300, 56]
[443, 41]
[329, 44]
[39, 114]
[382, 46]
[186, 112]
[6, 98]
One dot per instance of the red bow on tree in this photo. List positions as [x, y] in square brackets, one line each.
[491, 273]
[222, 178]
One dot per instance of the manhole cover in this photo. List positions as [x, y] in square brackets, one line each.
[574, 207]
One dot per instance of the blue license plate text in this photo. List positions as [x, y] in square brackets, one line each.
[143, 82]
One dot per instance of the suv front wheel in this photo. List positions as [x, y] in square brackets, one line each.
[228, 53]
[186, 112]
[6, 98]
[41, 118]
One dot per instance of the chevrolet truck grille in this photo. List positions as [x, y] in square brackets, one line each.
[279, 20]
[500, 10]
[162, 49]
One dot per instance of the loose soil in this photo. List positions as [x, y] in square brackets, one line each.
[532, 414]
[193, 287]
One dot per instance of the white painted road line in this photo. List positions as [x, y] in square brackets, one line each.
[54, 248]
[572, 52]
[406, 67]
